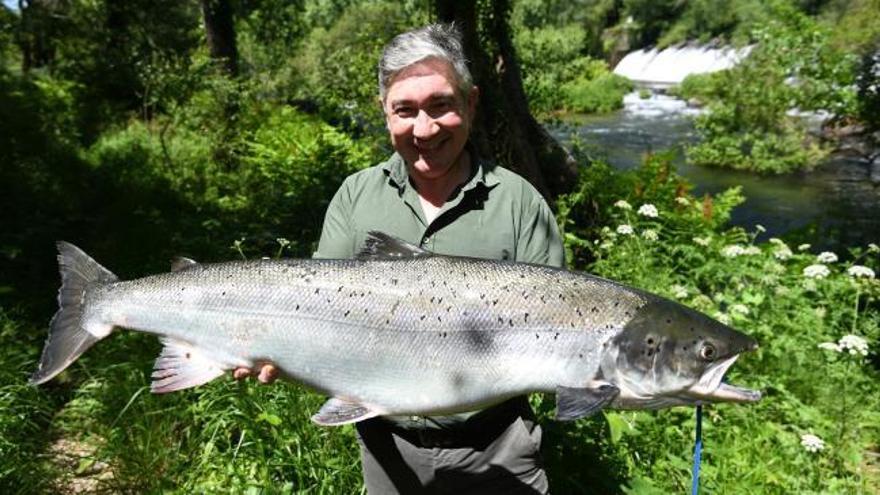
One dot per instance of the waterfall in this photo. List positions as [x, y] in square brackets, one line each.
[663, 68]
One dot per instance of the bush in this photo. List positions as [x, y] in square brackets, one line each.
[747, 125]
[557, 77]
[816, 318]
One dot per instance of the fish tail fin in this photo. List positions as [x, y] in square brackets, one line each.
[68, 335]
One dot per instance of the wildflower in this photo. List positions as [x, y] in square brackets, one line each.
[722, 317]
[623, 205]
[873, 248]
[679, 292]
[702, 241]
[624, 229]
[732, 251]
[829, 346]
[803, 247]
[812, 443]
[650, 235]
[820, 312]
[782, 252]
[741, 309]
[760, 228]
[648, 210]
[854, 344]
[816, 271]
[606, 245]
[752, 250]
[682, 201]
[857, 271]
[826, 257]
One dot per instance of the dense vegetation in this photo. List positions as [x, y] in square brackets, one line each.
[121, 133]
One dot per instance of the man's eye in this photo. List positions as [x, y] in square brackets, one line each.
[404, 112]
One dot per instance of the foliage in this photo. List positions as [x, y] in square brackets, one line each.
[748, 124]
[339, 63]
[764, 289]
[557, 77]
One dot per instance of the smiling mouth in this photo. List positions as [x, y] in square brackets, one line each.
[428, 147]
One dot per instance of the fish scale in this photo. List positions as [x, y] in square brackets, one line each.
[407, 334]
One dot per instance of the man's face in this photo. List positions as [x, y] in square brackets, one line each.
[427, 117]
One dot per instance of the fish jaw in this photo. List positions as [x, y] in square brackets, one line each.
[711, 389]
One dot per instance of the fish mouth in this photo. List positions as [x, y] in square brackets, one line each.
[711, 389]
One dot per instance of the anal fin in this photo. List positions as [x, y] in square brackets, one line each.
[337, 412]
[574, 403]
[181, 366]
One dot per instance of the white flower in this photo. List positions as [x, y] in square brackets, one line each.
[682, 201]
[829, 346]
[752, 250]
[860, 271]
[606, 245]
[623, 205]
[812, 443]
[873, 248]
[732, 251]
[782, 253]
[723, 318]
[854, 344]
[679, 292]
[816, 271]
[740, 309]
[760, 228]
[803, 247]
[826, 257]
[650, 234]
[624, 229]
[777, 241]
[648, 210]
[702, 241]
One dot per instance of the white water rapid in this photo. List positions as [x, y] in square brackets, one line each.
[663, 68]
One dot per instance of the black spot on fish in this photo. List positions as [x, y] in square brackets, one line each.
[439, 300]
[668, 321]
[187, 355]
[393, 281]
[578, 311]
[339, 289]
[594, 309]
[581, 356]
[439, 319]
[526, 318]
[297, 307]
[347, 312]
[510, 322]
[650, 341]
[495, 302]
[537, 336]
[317, 290]
[224, 293]
[422, 317]
[500, 320]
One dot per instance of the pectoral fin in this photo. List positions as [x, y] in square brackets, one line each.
[337, 412]
[574, 403]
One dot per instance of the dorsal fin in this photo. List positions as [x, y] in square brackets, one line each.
[381, 246]
[181, 263]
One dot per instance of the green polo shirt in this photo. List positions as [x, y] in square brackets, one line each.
[496, 215]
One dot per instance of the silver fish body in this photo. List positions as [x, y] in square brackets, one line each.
[409, 333]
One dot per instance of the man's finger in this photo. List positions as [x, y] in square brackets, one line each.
[268, 374]
[241, 373]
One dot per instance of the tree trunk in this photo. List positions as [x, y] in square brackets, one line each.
[34, 34]
[220, 32]
[504, 127]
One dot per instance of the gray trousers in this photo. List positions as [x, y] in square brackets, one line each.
[397, 462]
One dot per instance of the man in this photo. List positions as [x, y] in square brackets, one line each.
[436, 193]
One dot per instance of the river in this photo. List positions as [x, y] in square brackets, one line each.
[832, 207]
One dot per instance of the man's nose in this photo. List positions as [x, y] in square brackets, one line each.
[424, 127]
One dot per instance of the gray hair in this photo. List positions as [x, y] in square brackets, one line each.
[439, 41]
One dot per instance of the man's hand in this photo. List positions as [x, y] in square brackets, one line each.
[266, 374]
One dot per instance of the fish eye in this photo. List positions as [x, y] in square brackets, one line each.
[708, 352]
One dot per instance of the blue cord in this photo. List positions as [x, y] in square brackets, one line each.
[698, 451]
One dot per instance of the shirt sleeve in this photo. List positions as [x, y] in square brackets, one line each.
[337, 235]
[539, 240]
